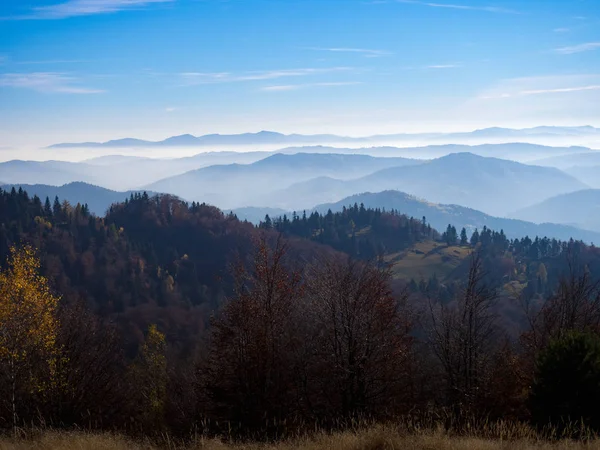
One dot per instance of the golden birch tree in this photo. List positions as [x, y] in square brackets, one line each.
[28, 324]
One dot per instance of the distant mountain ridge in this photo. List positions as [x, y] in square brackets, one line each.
[494, 186]
[271, 137]
[581, 208]
[238, 185]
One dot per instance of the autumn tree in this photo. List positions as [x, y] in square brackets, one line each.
[574, 306]
[462, 335]
[248, 377]
[28, 328]
[91, 386]
[359, 349]
[150, 379]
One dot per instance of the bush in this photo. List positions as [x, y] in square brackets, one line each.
[566, 387]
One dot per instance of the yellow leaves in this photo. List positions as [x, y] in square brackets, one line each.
[28, 323]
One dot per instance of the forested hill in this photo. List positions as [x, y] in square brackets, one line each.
[419, 251]
[149, 260]
[161, 260]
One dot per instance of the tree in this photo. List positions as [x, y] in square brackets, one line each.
[360, 344]
[28, 325]
[462, 335]
[47, 208]
[249, 374]
[575, 305]
[475, 238]
[463, 237]
[90, 371]
[566, 388]
[150, 377]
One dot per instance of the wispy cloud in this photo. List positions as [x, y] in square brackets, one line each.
[171, 109]
[295, 87]
[73, 8]
[561, 90]
[523, 87]
[47, 82]
[367, 53]
[490, 9]
[195, 78]
[561, 30]
[588, 46]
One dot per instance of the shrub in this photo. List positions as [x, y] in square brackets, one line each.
[566, 387]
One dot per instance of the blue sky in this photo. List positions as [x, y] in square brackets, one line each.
[101, 69]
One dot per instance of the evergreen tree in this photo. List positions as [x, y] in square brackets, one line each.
[57, 208]
[47, 208]
[475, 238]
[463, 237]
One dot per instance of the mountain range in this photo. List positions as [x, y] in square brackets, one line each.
[491, 185]
[270, 137]
[581, 209]
[237, 185]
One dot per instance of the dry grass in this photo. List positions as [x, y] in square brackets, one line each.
[377, 438]
[426, 258]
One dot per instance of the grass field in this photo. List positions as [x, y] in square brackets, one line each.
[426, 258]
[378, 438]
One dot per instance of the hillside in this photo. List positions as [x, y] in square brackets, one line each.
[439, 216]
[494, 186]
[590, 158]
[97, 198]
[586, 174]
[581, 209]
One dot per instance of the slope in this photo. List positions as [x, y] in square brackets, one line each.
[97, 198]
[439, 216]
[237, 185]
[580, 208]
[491, 185]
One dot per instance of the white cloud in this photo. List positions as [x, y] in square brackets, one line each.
[490, 9]
[295, 87]
[195, 78]
[368, 53]
[47, 82]
[588, 46]
[73, 8]
[171, 109]
[561, 30]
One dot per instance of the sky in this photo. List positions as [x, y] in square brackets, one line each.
[94, 70]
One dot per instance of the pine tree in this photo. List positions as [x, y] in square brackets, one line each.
[463, 237]
[475, 238]
[47, 208]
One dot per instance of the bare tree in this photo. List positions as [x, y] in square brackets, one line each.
[462, 336]
[248, 376]
[360, 340]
